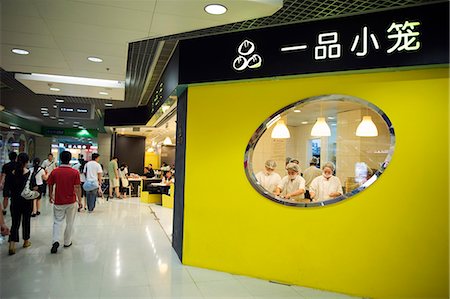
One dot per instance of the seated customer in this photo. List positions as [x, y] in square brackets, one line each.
[292, 186]
[168, 178]
[326, 186]
[268, 178]
[147, 173]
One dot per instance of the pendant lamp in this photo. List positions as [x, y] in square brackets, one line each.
[167, 141]
[321, 128]
[367, 128]
[280, 131]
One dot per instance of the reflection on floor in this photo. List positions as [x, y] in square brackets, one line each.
[121, 251]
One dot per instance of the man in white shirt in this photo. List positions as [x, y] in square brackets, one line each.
[268, 178]
[326, 186]
[93, 173]
[49, 164]
[292, 186]
[310, 174]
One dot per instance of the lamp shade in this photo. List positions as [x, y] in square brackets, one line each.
[280, 131]
[321, 128]
[367, 128]
[167, 141]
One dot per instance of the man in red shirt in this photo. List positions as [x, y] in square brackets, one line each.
[64, 198]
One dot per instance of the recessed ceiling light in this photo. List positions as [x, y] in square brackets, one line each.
[215, 9]
[108, 105]
[20, 51]
[103, 93]
[59, 101]
[44, 108]
[304, 122]
[55, 89]
[297, 110]
[53, 117]
[76, 122]
[46, 114]
[55, 106]
[95, 59]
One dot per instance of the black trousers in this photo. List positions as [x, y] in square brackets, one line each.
[20, 211]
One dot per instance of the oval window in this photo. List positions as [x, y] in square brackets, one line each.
[319, 150]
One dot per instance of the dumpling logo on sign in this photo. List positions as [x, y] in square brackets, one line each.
[247, 58]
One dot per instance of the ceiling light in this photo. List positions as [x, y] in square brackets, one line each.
[103, 93]
[367, 128]
[108, 105]
[280, 131]
[71, 80]
[297, 110]
[55, 89]
[20, 51]
[215, 9]
[44, 108]
[167, 141]
[76, 122]
[331, 117]
[13, 127]
[321, 128]
[59, 101]
[53, 117]
[94, 59]
[304, 122]
[55, 106]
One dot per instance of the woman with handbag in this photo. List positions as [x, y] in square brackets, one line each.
[21, 207]
[38, 178]
[123, 176]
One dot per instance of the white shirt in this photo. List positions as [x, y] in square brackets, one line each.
[268, 181]
[39, 174]
[92, 169]
[310, 174]
[288, 186]
[123, 173]
[77, 167]
[49, 166]
[322, 187]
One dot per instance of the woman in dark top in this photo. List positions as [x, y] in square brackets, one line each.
[20, 207]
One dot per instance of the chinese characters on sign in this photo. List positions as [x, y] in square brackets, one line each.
[405, 36]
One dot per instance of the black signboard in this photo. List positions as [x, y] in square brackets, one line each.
[401, 37]
[71, 110]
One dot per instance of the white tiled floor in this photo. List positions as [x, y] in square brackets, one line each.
[122, 250]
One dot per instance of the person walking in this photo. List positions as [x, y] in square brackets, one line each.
[6, 177]
[64, 197]
[38, 177]
[20, 207]
[93, 172]
[113, 174]
[49, 164]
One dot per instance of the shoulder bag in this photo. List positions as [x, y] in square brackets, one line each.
[27, 193]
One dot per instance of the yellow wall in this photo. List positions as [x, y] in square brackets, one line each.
[390, 241]
[151, 158]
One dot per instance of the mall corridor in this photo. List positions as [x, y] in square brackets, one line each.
[121, 251]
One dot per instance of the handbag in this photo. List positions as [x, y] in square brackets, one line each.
[125, 182]
[90, 185]
[27, 193]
